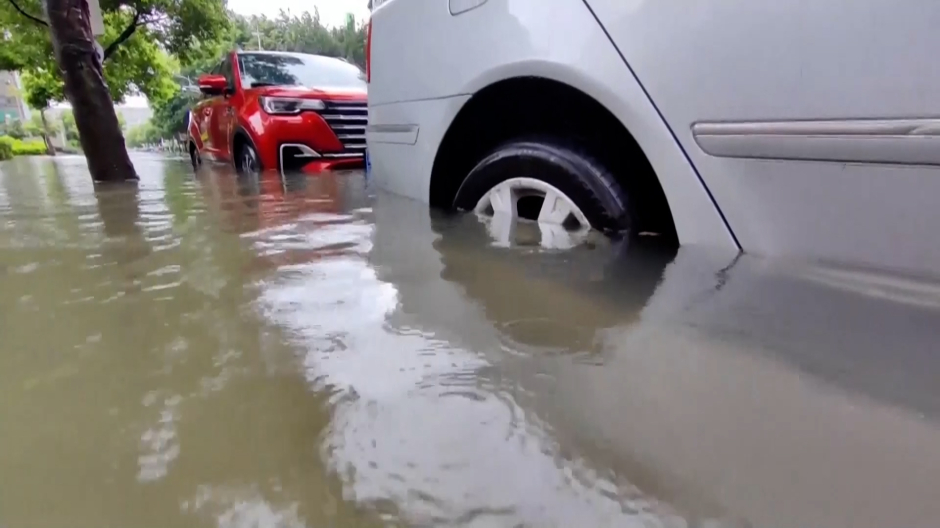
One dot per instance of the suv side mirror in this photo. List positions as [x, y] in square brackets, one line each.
[212, 84]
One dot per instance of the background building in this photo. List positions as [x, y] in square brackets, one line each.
[11, 102]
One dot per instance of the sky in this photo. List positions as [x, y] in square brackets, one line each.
[332, 12]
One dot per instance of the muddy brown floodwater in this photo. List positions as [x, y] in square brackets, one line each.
[212, 351]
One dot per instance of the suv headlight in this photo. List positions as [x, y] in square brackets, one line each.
[289, 105]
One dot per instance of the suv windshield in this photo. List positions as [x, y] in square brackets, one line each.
[268, 69]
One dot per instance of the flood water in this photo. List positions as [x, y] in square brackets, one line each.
[205, 351]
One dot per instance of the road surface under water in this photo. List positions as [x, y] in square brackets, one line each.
[220, 352]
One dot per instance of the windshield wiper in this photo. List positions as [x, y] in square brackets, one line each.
[259, 84]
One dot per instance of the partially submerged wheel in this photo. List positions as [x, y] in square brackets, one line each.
[247, 162]
[564, 191]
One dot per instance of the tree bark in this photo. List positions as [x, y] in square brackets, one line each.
[50, 150]
[97, 123]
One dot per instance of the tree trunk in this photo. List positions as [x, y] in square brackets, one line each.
[97, 123]
[50, 150]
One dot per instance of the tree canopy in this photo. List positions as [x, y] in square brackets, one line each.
[303, 33]
[144, 43]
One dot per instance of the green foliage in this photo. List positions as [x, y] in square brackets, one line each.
[170, 118]
[25, 43]
[179, 26]
[6, 148]
[68, 124]
[43, 87]
[29, 147]
[9, 59]
[10, 147]
[142, 135]
[35, 128]
[144, 62]
[13, 129]
[139, 64]
[303, 33]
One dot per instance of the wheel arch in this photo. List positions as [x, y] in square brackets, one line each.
[240, 136]
[693, 213]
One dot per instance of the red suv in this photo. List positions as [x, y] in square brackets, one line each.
[266, 110]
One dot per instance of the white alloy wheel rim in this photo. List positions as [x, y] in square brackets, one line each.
[557, 208]
[562, 223]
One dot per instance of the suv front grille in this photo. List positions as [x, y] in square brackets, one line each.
[348, 120]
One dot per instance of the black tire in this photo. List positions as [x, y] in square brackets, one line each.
[247, 161]
[583, 179]
[194, 157]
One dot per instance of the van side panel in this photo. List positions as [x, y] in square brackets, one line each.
[421, 52]
[813, 124]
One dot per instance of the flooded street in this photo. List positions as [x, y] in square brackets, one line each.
[205, 351]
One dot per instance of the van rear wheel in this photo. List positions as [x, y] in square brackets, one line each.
[546, 181]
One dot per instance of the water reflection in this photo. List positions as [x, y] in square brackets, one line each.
[216, 350]
[143, 387]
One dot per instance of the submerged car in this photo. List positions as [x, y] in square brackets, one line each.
[776, 128]
[280, 111]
